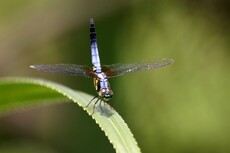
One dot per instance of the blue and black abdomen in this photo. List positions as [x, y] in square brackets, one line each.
[92, 32]
[94, 49]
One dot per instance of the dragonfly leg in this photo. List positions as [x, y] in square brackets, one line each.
[100, 106]
[95, 104]
[100, 100]
[91, 101]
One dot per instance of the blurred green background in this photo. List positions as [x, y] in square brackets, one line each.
[181, 108]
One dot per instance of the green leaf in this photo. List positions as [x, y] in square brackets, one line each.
[22, 92]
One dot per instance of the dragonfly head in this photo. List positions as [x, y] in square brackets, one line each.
[106, 94]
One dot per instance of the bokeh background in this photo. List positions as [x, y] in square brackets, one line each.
[181, 108]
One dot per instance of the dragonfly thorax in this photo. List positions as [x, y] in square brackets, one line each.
[102, 86]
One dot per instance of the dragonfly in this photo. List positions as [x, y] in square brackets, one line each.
[101, 73]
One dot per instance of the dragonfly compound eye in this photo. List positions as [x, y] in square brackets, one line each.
[106, 94]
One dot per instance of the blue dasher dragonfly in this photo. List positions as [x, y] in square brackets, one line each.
[100, 73]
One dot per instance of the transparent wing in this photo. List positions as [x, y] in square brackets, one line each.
[69, 69]
[115, 70]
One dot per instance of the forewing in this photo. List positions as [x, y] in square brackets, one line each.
[69, 69]
[115, 70]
